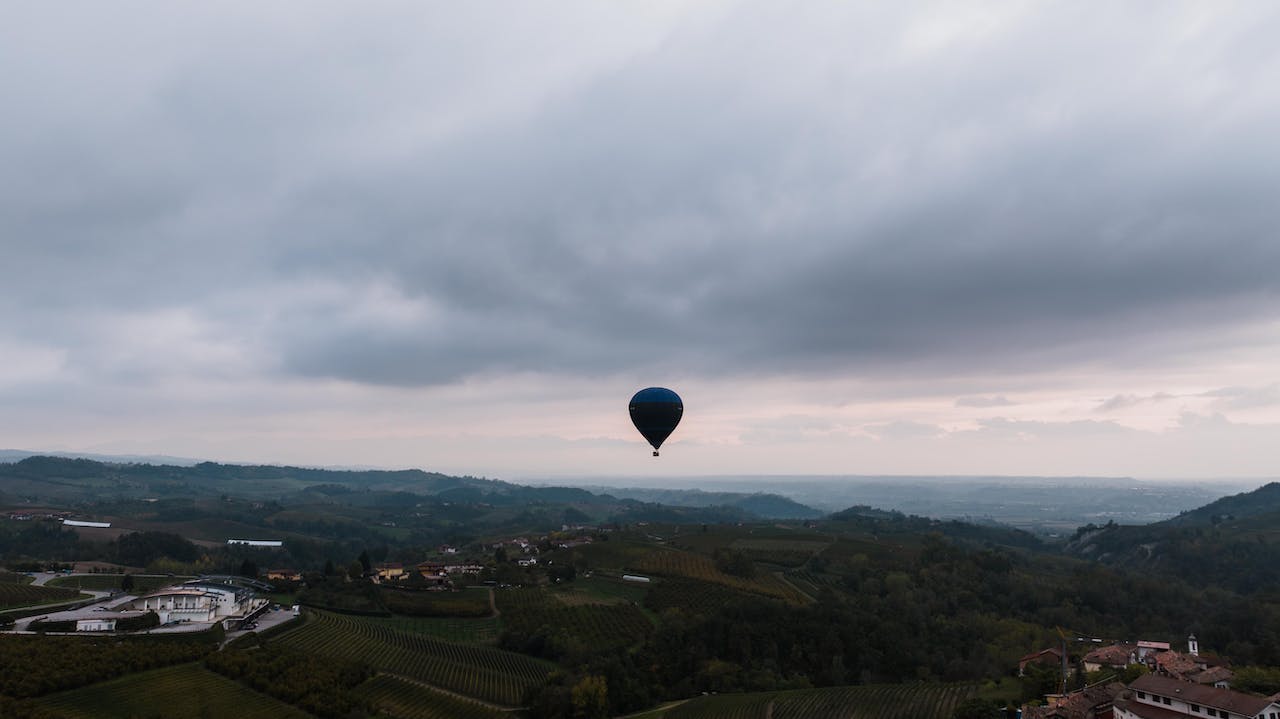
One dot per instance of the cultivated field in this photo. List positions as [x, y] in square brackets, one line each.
[26, 595]
[404, 699]
[481, 672]
[142, 583]
[185, 690]
[669, 562]
[613, 626]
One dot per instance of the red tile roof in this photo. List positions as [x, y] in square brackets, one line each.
[1116, 655]
[1233, 701]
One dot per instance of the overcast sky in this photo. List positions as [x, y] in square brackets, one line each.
[953, 238]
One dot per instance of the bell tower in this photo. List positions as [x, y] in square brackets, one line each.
[1193, 646]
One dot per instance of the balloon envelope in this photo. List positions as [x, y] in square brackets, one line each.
[656, 411]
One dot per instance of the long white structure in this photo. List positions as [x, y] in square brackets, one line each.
[257, 542]
[78, 523]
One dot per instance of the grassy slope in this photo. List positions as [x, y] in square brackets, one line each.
[184, 690]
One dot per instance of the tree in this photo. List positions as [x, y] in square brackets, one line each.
[248, 568]
[126, 583]
[365, 563]
[591, 698]
[976, 709]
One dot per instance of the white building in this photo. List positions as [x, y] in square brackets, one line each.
[199, 601]
[257, 542]
[79, 523]
[1156, 697]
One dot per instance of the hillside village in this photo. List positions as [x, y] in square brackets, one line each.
[1170, 684]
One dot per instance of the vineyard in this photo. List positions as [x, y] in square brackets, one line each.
[142, 583]
[466, 631]
[696, 566]
[529, 612]
[435, 604]
[184, 690]
[26, 595]
[404, 699]
[475, 671]
[892, 701]
[786, 552]
[688, 595]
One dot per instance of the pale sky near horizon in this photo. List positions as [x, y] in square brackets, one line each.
[857, 238]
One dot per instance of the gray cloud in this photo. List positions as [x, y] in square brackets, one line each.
[832, 190]
[1234, 398]
[1124, 401]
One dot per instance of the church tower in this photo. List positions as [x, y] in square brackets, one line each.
[1193, 647]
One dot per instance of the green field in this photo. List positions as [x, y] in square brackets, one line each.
[481, 672]
[889, 701]
[185, 690]
[404, 699]
[107, 582]
[26, 595]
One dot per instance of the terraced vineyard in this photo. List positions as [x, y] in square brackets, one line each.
[26, 595]
[887, 701]
[184, 690]
[484, 673]
[696, 566]
[404, 699]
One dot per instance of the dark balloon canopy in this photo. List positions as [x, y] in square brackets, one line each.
[656, 411]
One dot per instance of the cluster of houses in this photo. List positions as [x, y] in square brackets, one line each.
[1179, 684]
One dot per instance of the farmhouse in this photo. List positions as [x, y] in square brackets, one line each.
[1146, 649]
[390, 571]
[1156, 697]
[1116, 656]
[1051, 656]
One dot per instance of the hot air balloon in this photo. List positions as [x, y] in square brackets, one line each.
[656, 411]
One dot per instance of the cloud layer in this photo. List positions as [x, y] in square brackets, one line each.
[233, 208]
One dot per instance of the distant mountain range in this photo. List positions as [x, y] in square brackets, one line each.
[17, 455]
[43, 479]
[1233, 543]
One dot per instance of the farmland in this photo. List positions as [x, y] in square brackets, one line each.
[404, 699]
[183, 690]
[535, 617]
[26, 595]
[481, 672]
[669, 562]
[106, 582]
[467, 631]
[896, 701]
